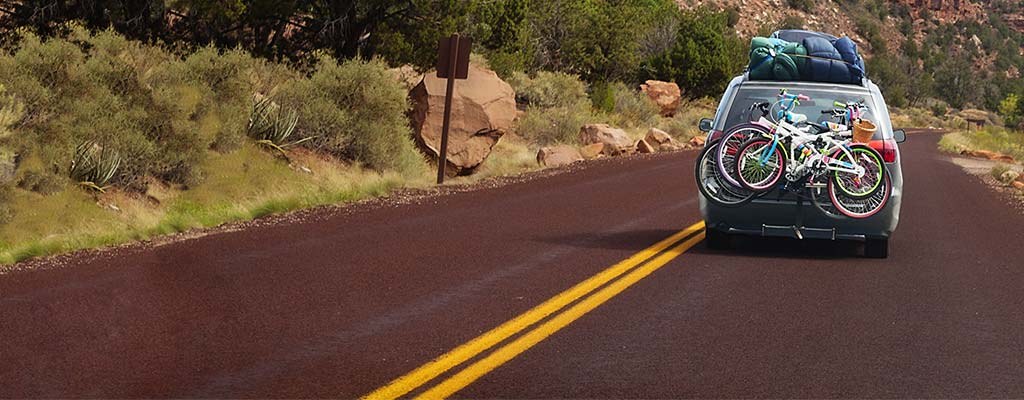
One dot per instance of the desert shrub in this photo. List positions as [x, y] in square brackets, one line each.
[683, 125]
[6, 210]
[556, 106]
[632, 108]
[11, 112]
[792, 21]
[998, 171]
[357, 111]
[602, 97]
[227, 78]
[548, 89]
[160, 112]
[555, 124]
[802, 5]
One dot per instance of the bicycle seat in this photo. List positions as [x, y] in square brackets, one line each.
[795, 118]
[820, 128]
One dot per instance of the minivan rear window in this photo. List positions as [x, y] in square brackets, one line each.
[821, 100]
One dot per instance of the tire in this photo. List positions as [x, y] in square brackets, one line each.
[711, 184]
[752, 174]
[716, 239]
[725, 156]
[876, 248]
[849, 184]
[860, 208]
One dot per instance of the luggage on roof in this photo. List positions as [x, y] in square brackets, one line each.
[805, 55]
[776, 59]
[798, 35]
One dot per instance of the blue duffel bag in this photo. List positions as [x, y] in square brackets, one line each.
[848, 50]
[825, 63]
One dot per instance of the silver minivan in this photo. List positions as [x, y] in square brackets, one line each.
[780, 213]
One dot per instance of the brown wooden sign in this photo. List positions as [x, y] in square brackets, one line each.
[452, 64]
[461, 47]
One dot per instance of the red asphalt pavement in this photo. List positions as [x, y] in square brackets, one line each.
[342, 302]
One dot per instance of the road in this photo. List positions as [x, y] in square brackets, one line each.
[539, 289]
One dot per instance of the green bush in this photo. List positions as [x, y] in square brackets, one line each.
[602, 97]
[161, 113]
[792, 22]
[802, 5]
[633, 108]
[546, 126]
[548, 89]
[556, 106]
[998, 170]
[96, 89]
[355, 110]
[6, 211]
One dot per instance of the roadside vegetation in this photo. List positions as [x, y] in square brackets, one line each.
[105, 139]
[122, 121]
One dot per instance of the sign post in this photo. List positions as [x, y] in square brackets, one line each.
[452, 63]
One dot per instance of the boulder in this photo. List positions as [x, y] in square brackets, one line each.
[665, 94]
[616, 141]
[990, 155]
[643, 147]
[1008, 177]
[662, 140]
[558, 156]
[1018, 185]
[592, 151]
[483, 108]
[698, 141]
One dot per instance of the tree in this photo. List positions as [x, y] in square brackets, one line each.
[1009, 110]
[705, 56]
[599, 40]
[957, 80]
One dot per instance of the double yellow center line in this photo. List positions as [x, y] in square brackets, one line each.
[676, 245]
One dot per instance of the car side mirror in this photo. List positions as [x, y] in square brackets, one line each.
[899, 135]
[706, 124]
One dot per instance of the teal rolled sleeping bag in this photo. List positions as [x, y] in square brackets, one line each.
[772, 59]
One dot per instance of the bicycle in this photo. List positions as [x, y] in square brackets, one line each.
[854, 173]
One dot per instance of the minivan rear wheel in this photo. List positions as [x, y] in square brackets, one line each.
[876, 248]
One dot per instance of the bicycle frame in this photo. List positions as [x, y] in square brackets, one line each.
[796, 143]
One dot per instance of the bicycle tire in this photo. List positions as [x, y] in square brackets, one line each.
[731, 141]
[766, 175]
[711, 184]
[855, 208]
[874, 169]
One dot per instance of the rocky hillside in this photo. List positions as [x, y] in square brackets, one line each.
[847, 17]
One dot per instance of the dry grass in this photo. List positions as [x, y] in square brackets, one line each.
[245, 184]
[1000, 140]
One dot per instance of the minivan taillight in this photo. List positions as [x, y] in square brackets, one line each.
[715, 135]
[885, 147]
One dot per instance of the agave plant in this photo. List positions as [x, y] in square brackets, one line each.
[94, 166]
[271, 126]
